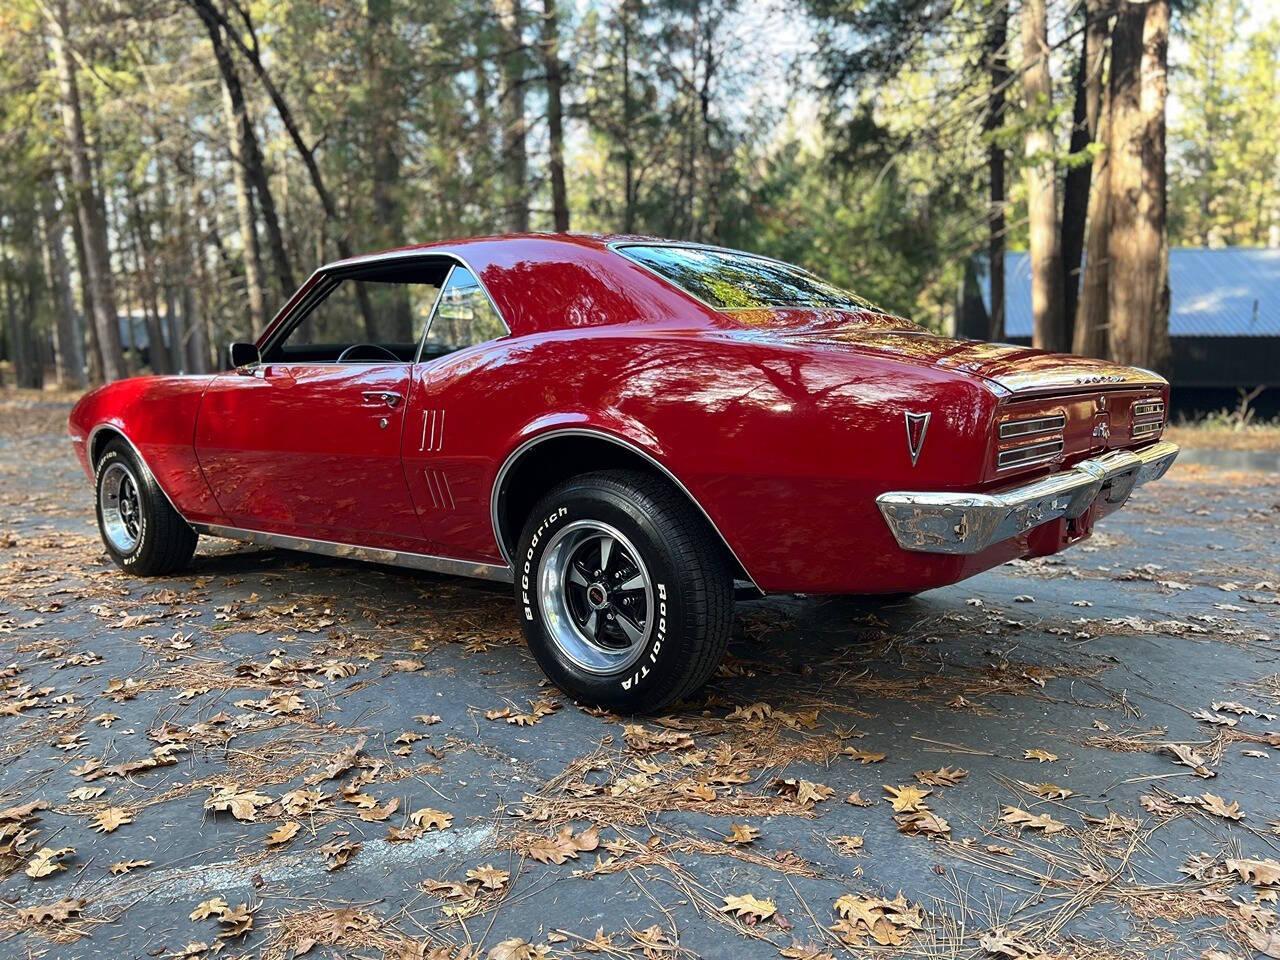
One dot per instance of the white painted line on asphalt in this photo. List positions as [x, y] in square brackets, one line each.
[227, 875]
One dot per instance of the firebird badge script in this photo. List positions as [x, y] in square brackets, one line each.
[917, 424]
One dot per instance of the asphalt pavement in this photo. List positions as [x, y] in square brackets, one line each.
[1074, 757]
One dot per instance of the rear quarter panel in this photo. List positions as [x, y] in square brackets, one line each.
[785, 448]
[157, 415]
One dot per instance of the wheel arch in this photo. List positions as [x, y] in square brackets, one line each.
[96, 445]
[548, 458]
[99, 437]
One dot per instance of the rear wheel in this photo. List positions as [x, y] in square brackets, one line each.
[625, 594]
[142, 532]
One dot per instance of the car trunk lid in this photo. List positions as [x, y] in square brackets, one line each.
[1021, 371]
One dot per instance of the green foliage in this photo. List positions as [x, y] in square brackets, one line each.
[1225, 152]
[856, 151]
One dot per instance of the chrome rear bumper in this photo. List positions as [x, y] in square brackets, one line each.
[971, 522]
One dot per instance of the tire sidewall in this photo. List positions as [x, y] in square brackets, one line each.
[135, 557]
[663, 662]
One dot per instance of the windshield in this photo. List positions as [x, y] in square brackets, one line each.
[729, 280]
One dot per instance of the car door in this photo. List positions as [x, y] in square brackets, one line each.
[307, 442]
[456, 413]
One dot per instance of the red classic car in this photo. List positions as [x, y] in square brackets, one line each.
[631, 431]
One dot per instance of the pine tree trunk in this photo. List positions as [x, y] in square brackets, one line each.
[1049, 331]
[998, 67]
[251, 248]
[395, 319]
[18, 345]
[1138, 243]
[1090, 336]
[628, 153]
[97, 258]
[514, 124]
[1084, 131]
[249, 48]
[93, 357]
[69, 342]
[1153, 206]
[144, 271]
[555, 115]
[251, 154]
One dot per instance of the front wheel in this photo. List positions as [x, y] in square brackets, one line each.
[625, 593]
[141, 530]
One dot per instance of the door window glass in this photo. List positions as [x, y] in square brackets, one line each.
[383, 312]
[463, 318]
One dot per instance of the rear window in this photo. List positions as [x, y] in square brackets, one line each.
[728, 280]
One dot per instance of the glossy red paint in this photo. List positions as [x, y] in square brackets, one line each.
[782, 425]
[310, 450]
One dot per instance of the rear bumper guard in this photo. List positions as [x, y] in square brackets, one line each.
[971, 522]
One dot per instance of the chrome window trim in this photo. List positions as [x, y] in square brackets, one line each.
[1046, 423]
[1051, 448]
[325, 280]
[500, 479]
[351, 551]
[431, 317]
[617, 246]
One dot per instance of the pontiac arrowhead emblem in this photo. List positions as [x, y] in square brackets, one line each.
[917, 424]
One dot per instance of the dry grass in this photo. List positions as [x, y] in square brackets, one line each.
[1206, 436]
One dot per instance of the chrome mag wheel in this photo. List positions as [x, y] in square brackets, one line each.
[596, 597]
[121, 507]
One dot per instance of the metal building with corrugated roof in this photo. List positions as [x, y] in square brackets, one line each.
[1224, 315]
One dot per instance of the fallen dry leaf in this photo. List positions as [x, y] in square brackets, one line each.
[1187, 756]
[749, 907]
[213, 907]
[563, 846]
[924, 822]
[1031, 821]
[906, 799]
[46, 861]
[52, 913]
[243, 804]
[283, 833]
[1258, 872]
[804, 792]
[236, 921]
[1214, 804]
[429, 819]
[490, 877]
[124, 866]
[338, 853]
[1048, 791]
[942, 777]
[1044, 756]
[111, 819]
[863, 756]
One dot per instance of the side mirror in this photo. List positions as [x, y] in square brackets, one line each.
[243, 355]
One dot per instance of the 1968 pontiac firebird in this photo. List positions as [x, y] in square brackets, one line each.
[630, 431]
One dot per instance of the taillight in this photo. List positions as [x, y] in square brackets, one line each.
[1148, 419]
[1027, 441]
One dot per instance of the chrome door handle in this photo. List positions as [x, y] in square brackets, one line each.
[389, 397]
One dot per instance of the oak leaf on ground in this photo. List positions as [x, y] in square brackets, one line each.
[749, 907]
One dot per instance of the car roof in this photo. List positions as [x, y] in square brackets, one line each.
[597, 241]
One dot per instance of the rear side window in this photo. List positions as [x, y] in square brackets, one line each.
[729, 280]
[464, 317]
